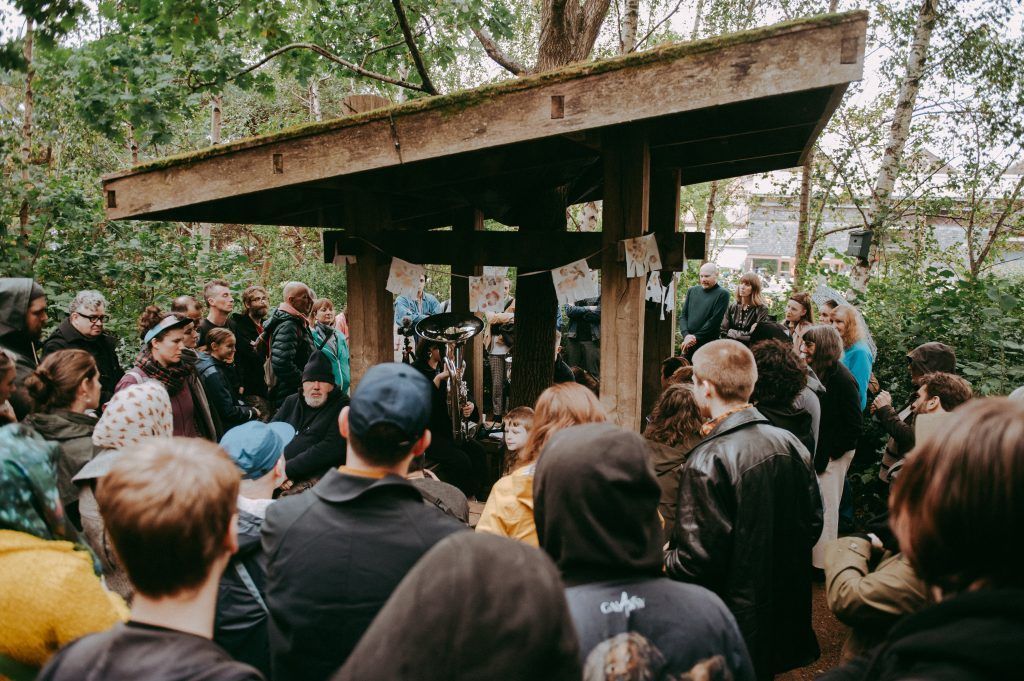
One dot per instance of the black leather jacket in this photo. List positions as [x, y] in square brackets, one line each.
[748, 514]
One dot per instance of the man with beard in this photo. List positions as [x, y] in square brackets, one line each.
[249, 353]
[217, 294]
[313, 413]
[22, 318]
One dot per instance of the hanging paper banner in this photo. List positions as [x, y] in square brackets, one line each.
[404, 278]
[495, 271]
[662, 294]
[574, 282]
[487, 293]
[642, 255]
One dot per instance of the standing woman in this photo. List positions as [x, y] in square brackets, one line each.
[839, 429]
[163, 341]
[331, 342]
[673, 429]
[6, 388]
[65, 388]
[799, 317]
[858, 355]
[748, 310]
[220, 380]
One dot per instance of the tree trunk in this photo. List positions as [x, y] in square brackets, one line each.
[627, 32]
[709, 217]
[568, 30]
[215, 104]
[698, 12]
[133, 144]
[26, 129]
[314, 100]
[899, 131]
[803, 252]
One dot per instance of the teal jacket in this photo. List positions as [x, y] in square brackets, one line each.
[335, 348]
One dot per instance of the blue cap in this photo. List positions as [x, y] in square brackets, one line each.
[171, 321]
[255, 447]
[391, 393]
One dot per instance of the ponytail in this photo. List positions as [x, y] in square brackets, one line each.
[54, 383]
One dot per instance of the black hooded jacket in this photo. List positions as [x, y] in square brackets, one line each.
[250, 354]
[241, 623]
[975, 636]
[102, 348]
[15, 296]
[596, 505]
[318, 444]
[749, 513]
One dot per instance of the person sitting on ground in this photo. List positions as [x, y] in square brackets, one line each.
[673, 429]
[133, 414]
[596, 501]
[799, 317]
[216, 369]
[7, 373]
[959, 516]
[747, 312]
[347, 543]
[669, 366]
[290, 340]
[22, 319]
[781, 378]
[163, 359]
[50, 594]
[82, 329]
[509, 508]
[241, 622]
[508, 512]
[250, 352]
[221, 303]
[744, 478]
[169, 508]
[472, 605]
[922, 360]
[330, 342]
[65, 388]
[313, 413]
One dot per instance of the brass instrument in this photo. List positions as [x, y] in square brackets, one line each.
[453, 330]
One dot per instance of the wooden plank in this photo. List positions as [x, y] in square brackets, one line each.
[659, 333]
[626, 181]
[757, 64]
[469, 222]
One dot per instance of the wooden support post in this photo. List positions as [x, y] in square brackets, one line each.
[659, 334]
[472, 221]
[370, 304]
[627, 163]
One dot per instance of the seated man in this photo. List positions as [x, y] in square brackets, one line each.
[169, 509]
[313, 413]
[241, 625]
[335, 553]
[937, 394]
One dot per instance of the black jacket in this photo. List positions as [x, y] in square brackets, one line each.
[749, 513]
[221, 385]
[318, 444]
[841, 416]
[241, 624]
[14, 301]
[103, 349]
[975, 636]
[291, 344]
[249, 354]
[334, 555]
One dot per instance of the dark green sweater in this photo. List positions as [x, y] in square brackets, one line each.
[703, 311]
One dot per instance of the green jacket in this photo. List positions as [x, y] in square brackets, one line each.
[73, 434]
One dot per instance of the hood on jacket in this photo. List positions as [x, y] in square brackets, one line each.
[596, 504]
[248, 533]
[15, 295]
[61, 425]
[205, 362]
[471, 605]
[931, 357]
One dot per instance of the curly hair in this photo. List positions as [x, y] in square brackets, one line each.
[676, 417]
[781, 374]
[560, 406]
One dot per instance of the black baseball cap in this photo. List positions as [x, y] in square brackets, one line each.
[391, 393]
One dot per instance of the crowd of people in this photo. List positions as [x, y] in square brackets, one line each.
[225, 509]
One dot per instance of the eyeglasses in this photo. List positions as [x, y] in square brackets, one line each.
[95, 319]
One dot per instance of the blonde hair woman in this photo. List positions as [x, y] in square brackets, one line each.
[747, 312]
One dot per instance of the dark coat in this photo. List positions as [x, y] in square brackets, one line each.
[103, 349]
[318, 444]
[14, 301]
[841, 416]
[749, 512]
[334, 555]
[975, 636]
[221, 385]
[241, 623]
[249, 354]
[291, 344]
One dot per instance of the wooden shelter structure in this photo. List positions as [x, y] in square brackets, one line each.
[417, 180]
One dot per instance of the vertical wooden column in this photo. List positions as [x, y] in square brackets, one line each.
[464, 264]
[370, 305]
[659, 334]
[626, 198]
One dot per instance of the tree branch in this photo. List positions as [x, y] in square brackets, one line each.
[647, 36]
[414, 49]
[383, 48]
[495, 53]
[356, 68]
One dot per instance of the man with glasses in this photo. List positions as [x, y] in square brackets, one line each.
[83, 329]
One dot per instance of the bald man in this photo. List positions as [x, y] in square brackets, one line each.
[291, 341]
[700, 320]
